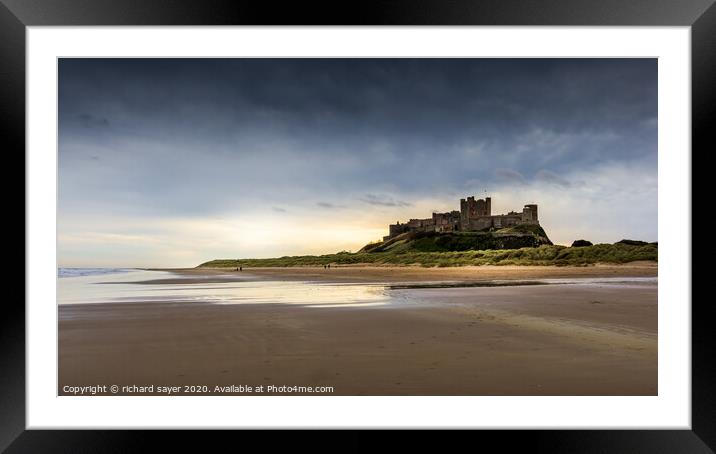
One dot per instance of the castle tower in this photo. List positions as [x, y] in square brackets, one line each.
[529, 214]
[471, 209]
[463, 214]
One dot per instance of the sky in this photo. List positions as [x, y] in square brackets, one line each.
[173, 162]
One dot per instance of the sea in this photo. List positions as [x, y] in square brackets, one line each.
[76, 272]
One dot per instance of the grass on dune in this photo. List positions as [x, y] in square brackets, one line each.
[542, 255]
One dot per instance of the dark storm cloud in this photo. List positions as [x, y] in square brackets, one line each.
[90, 121]
[195, 136]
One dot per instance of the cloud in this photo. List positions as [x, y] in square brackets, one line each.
[651, 122]
[329, 205]
[279, 209]
[510, 175]
[385, 201]
[553, 178]
[613, 200]
[89, 121]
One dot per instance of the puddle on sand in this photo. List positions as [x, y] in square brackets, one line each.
[126, 288]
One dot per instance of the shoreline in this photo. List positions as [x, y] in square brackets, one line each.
[393, 274]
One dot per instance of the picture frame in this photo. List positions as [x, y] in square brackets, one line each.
[16, 15]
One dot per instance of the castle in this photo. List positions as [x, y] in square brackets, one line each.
[473, 215]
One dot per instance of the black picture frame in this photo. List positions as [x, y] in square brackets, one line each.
[700, 15]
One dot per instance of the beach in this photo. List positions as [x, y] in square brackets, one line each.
[364, 331]
[360, 273]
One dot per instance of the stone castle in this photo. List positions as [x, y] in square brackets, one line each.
[473, 215]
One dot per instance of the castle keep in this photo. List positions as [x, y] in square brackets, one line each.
[473, 215]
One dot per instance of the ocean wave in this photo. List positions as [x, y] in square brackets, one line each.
[76, 272]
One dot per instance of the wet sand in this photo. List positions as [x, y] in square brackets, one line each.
[516, 340]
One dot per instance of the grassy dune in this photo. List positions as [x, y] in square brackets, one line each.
[542, 255]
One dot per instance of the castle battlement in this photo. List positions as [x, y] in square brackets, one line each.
[474, 214]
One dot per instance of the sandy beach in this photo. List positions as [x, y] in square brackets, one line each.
[363, 273]
[583, 336]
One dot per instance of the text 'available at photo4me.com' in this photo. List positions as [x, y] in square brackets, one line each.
[168, 390]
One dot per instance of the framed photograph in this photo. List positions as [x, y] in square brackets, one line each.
[440, 217]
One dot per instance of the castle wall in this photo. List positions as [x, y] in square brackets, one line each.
[397, 229]
[507, 220]
[446, 222]
[497, 221]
